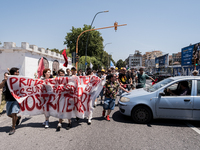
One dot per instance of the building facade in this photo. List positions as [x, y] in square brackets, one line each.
[27, 58]
[134, 59]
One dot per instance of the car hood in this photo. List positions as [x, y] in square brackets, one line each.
[136, 93]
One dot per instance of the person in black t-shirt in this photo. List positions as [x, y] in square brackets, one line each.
[123, 78]
[12, 106]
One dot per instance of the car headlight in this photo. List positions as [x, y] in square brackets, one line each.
[124, 99]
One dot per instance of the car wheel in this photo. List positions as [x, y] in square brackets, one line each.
[141, 114]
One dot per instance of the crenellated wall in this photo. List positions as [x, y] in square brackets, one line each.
[27, 57]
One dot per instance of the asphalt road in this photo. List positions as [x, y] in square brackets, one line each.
[120, 133]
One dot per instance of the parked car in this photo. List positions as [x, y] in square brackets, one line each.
[155, 102]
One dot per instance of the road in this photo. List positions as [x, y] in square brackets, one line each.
[120, 133]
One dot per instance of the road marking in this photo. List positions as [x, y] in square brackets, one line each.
[193, 127]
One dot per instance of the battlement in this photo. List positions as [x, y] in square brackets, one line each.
[11, 46]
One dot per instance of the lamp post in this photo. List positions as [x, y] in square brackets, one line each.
[93, 30]
[89, 33]
[104, 50]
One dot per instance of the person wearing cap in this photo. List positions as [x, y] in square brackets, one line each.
[123, 78]
[194, 73]
[141, 78]
[116, 71]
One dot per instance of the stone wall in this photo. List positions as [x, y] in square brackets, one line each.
[26, 58]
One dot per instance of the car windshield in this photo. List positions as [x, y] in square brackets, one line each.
[158, 85]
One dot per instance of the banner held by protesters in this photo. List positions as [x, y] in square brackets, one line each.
[61, 97]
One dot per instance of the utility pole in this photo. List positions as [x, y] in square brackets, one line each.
[115, 27]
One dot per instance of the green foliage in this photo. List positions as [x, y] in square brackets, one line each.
[55, 50]
[0, 42]
[96, 63]
[95, 42]
[120, 63]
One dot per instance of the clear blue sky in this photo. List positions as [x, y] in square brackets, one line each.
[166, 25]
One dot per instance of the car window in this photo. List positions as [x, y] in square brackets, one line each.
[158, 85]
[198, 88]
[181, 88]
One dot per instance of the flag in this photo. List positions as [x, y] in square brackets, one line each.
[111, 64]
[65, 57]
[91, 65]
[40, 68]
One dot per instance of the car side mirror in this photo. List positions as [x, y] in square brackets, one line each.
[162, 94]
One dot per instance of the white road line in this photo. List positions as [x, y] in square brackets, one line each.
[193, 127]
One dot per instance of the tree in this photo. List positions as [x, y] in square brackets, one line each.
[120, 63]
[55, 50]
[95, 42]
[0, 42]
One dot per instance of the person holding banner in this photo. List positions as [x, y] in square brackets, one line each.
[46, 75]
[12, 106]
[111, 88]
[61, 73]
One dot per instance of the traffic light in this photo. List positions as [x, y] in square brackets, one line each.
[115, 24]
[195, 61]
[77, 57]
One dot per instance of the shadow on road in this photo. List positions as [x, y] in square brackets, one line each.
[118, 117]
[5, 129]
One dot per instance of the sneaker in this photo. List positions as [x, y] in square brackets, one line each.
[12, 131]
[89, 121]
[107, 118]
[95, 104]
[69, 125]
[46, 124]
[59, 126]
[18, 120]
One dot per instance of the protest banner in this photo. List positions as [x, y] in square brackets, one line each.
[61, 97]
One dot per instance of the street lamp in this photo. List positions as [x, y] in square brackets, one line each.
[89, 33]
[104, 50]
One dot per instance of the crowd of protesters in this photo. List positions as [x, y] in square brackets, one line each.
[116, 80]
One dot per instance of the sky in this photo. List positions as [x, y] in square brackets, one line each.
[165, 25]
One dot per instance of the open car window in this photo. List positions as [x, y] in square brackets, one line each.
[182, 88]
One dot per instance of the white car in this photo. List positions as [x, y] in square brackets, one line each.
[156, 102]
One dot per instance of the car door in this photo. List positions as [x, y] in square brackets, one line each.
[176, 107]
[196, 106]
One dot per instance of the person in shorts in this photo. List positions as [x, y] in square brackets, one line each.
[111, 88]
[12, 106]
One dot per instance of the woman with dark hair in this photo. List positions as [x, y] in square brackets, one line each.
[46, 75]
[12, 106]
[80, 72]
[88, 71]
[111, 88]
